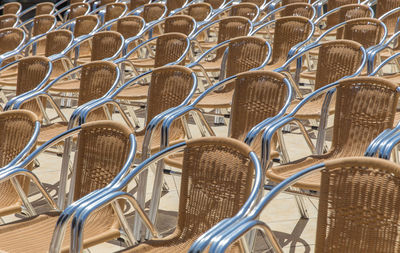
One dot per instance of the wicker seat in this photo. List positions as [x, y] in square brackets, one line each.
[103, 143]
[8, 20]
[365, 106]
[17, 129]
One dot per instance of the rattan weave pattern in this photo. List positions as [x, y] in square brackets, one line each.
[247, 10]
[114, 10]
[8, 20]
[169, 47]
[137, 3]
[10, 38]
[333, 19]
[215, 4]
[366, 31]
[298, 9]
[179, 23]
[199, 11]
[105, 44]
[84, 25]
[174, 4]
[44, 8]
[152, 12]
[11, 8]
[77, 9]
[130, 26]
[42, 24]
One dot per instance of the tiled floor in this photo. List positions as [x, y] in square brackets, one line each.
[294, 234]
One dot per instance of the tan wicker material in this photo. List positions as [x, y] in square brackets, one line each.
[10, 38]
[102, 150]
[152, 12]
[215, 183]
[366, 31]
[42, 24]
[334, 19]
[247, 10]
[358, 206]
[244, 53]
[16, 129]
[11, 8]
[76, 1]
[174, 4]
[8, 20]
[137, 3]
[297, 9]
[78, 9]
[56, 42]
[199, 11]
[114, 10]
[179, 23]
[84, 25]
[44, 8]
[130, 26]
[215, 4]
[365, 106]
[286, 2]
[384, 6]
[105, 2]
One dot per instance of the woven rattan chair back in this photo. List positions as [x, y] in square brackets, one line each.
[216, 181]
[103, 147]
[11, 8]
[10, 38]
[229, 28]
[57, 41]
[137, 3]
[8, 20]
[247, 10]
[179, 23]
[174, 4]
[366, 31]
[105, 44]
[334, 18]
[258, 95]
[215, 4]
[286, 2]
[245, 53]
[114, 10]
[84, 25]
[78, 9]
[384, 6]
[289, 31]
[359, 206]
[199, 11]
[42, 24]
[259, 3]
[169, 87]
[105, 2]
[130, 26]
[31, 72]
[390, 20]
[169, 48]
[298, 9]
[152, 12]
[349, 12]
[76, 1]
[337, 59]
[44, 8]
[365, 106]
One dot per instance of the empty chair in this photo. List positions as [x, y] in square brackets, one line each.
[133, 4]
[12, 41]
[8, 20]
[12, 8]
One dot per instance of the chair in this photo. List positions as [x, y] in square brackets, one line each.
[8, 20]
[175, 4]
[134, 4]
[202, 201]
[73, 11]
[360, 115]
[201, 12]
[19, 130]
[115, 10]
[295, 9]
[109, 145]
[356, 194]
[12, 41]
[153, 12]
[12, 8]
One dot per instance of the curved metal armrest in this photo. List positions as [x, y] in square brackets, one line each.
[374, 52]
[319, 20]
[375, 145]
[388, 144]
[119, 51]
[209, 51]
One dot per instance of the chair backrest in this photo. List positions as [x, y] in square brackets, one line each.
[76, 1]
[114, 10]
[10, 38]
[105, 2]
[366, 31]
[103, 147]
[199, 11]
[365, 106]
[169, 86]
[137, 3]
[44, 8]
[169, 48]
[247, 10]
[245, 53]
[349, 12]
[85, 25]
[105, 44]
[258, 95]
[16, 129]
[391, 20]
[383, 6]
[179, 23]
[298, 9]
[337, 59]
[359, 206]
[97, 78]
[216, 181]
[215, 4]
[12, 8]
[57, 41]
[130, 26]
[8, 20]
[259, 3]
[78, 9]
[152, 12]
[43, 23]
[174, 4]
[289, 31]
[334, 19]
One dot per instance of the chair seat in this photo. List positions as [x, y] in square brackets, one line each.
[217, 100]
[393, 78]
[143, 63]
[312, 109]
[66, 86]
[137, 92]
[50, 131]
[9, 200]
[34, 234]
[210, 66]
